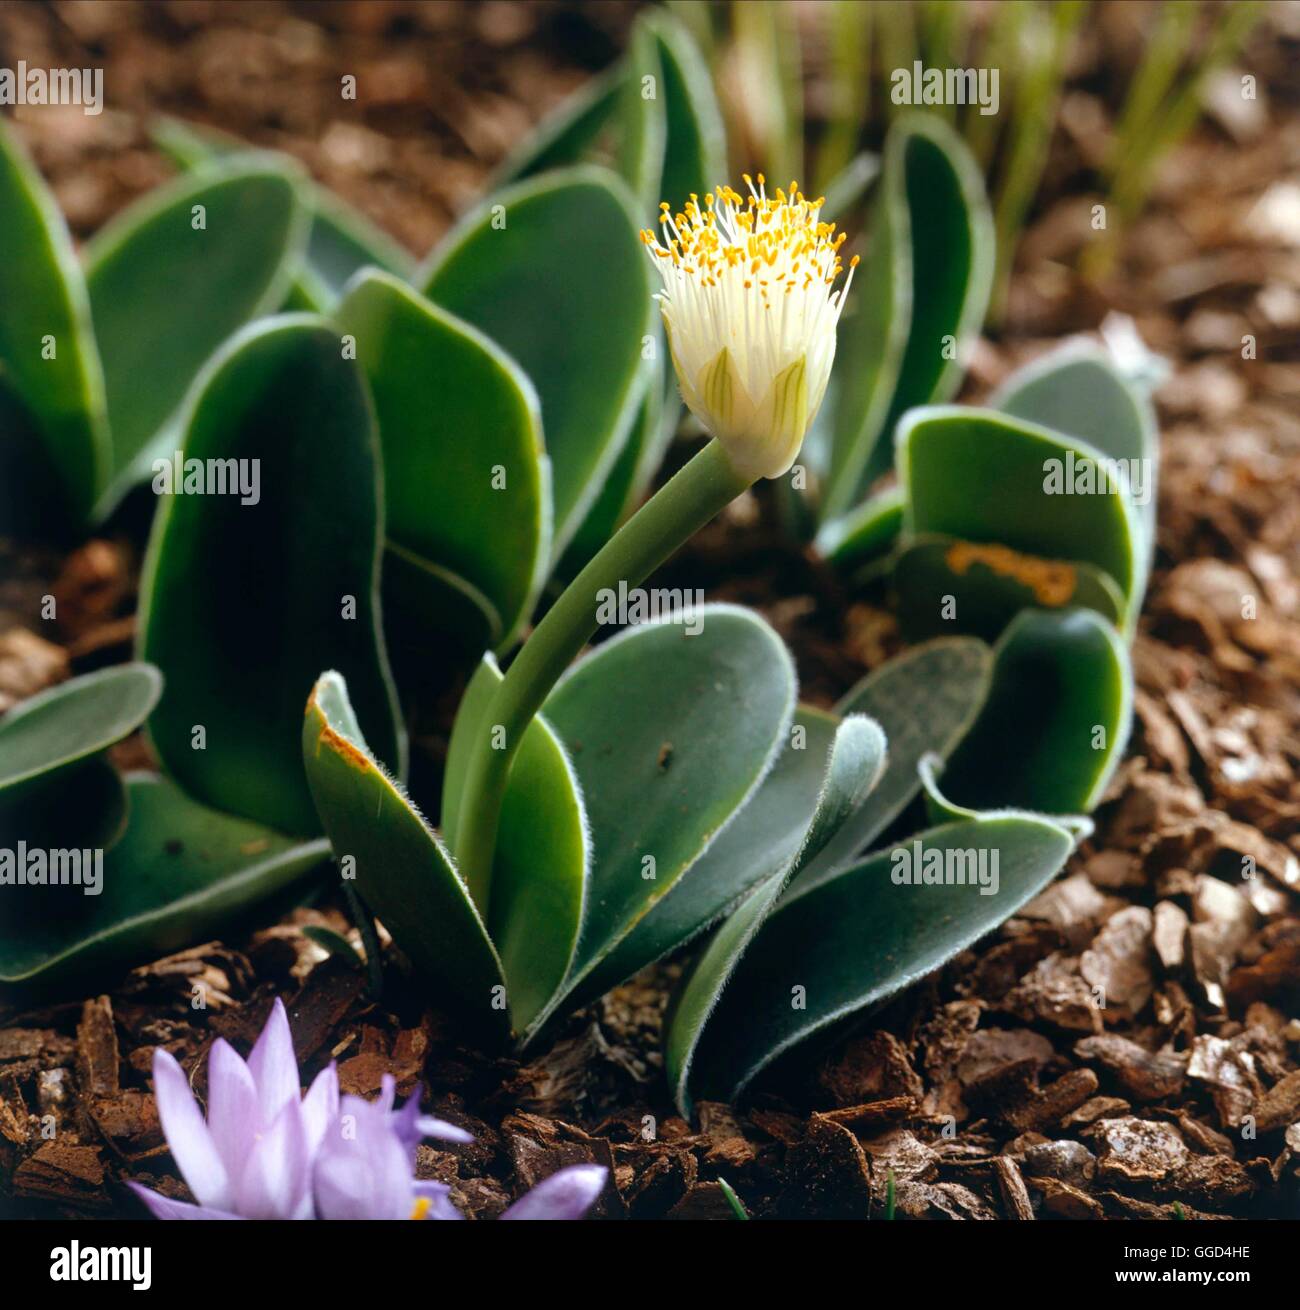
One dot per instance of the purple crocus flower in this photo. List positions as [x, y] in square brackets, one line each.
[267, 1151]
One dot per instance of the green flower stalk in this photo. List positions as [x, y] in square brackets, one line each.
[750, 308]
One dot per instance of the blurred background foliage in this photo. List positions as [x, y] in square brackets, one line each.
[806, 87]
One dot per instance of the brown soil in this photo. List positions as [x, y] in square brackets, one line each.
[996, 1088]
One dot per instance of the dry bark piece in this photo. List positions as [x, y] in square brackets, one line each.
[1054, 993]
[873, 1114]
[1137, 1150]
[1169, 935]
[1280, 1105]
[658, 1188]
[827, 1176]
[1216, 1181]
[1015, 1196]
[1228, 1069]
[65, 1173]
[728, 1148]
[1144, 1075]
[871, 1067]
[1073, 905]
[703, 1201]
[1066, 1201]
[1119, 960]
[534, 1160]
[28, 664]
[1097, 1107]
[991, 1049]
[97, 1055]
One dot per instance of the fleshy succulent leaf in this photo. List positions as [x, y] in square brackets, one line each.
[926, 701]
[52, 402]
[944, 450]
[1077, 389]
[701, 719]
[59, 729]
[403, 870]
[171, 278]
[859, 937]
[557, 260]
[288, 582]
[1056, 721]
[904, 342]
[466, 481]
[180, 873]
[540, 870]
[985, 587]
[856, 759]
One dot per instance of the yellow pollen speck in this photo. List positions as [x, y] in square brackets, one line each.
[421, 1207]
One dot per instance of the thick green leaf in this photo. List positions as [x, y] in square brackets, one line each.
[939, 809]
[553, 271]
[59, 729]
[925, 700]
[340, 241]
[180, 874]
[569, 132]
[856, 758]
[872, 336]
[403, 871]
[83, 806]
[864, 534]
[644, 130]
[466, 481]
[860, 937]
[760, 842]
[1056, 721]
[44, 308]
[695, 157]
[242, 603]
[983, 477]
[427, 606]
[947, 586]
[920, 296]
[58, 790]
[539, 872]
[670, 734]
[952, 243]
[1076, 389]
[166, 292]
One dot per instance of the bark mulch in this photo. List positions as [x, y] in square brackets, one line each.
[996, 1088]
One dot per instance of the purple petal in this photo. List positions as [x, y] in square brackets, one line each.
[363, 1170]
[276, 1180]
[440, 1128]
[387, 1093]
[163, 1207]
[274, 1065]
[234, 1116]
[567, 1194]
[191, 1143]
[320, 1107]
[439, 1197]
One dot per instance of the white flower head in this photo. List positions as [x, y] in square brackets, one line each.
[750, 307]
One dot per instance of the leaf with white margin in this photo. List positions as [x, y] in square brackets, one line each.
[925, 700]
[859, 938]
[403, 871]
[670, 735]
[553, 271]
[856, 760]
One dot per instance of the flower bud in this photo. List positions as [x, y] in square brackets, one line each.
[750, 309]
